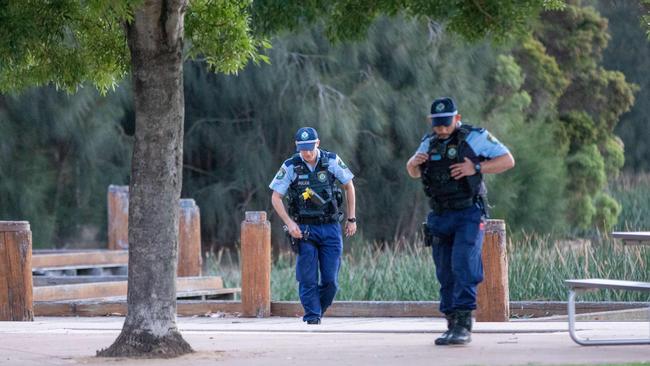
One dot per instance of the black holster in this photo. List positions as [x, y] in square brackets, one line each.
[294, 243]
[426, 233]
[430, 238]
[483, 205]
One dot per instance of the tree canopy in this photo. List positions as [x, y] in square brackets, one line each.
[67, 43]
[367, 98]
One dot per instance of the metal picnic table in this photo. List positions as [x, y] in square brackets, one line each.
[633, 237]
[581, 285]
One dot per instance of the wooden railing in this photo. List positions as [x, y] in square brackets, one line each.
[16, 295]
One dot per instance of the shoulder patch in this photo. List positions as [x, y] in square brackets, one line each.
[492, 139]
[342, 164]
[281, 173]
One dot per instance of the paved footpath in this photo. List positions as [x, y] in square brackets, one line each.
[337, 342]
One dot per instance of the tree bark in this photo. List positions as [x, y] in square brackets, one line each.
[155, 39]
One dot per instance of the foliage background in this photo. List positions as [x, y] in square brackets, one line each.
[554, 97]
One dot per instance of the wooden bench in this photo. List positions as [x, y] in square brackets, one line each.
[578, 286]
[186, 287]
[75, 262]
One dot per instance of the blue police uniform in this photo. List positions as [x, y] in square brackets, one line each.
[455, 225]
[457, 254]
[320, 250]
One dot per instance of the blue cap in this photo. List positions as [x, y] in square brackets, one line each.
[443, 111]
[306, 138]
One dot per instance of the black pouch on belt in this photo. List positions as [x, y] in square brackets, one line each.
[430, 238]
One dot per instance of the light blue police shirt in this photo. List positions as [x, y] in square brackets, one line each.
[479, 140]
[286, 174]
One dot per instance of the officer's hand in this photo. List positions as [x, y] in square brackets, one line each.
[350, 228]
[463, 169]
[294, 230]
[418, 158]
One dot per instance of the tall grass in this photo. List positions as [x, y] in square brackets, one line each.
[633, 193]
[538, 264]
[403, 271]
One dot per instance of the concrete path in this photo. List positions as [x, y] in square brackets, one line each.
[338, 341]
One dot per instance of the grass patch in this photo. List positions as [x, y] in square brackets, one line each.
[404, 270]
[538, 264]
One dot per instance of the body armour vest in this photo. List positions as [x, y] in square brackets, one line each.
[322, 182]
[445, 192]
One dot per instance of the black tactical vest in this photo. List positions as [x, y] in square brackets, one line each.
[321, 181]
[445, 192]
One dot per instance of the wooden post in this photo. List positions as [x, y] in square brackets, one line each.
[493, 296]
[118, 217]
[16, 271]
[256, 265]
[189, 239]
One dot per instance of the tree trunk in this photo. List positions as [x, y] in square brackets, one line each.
[155, 39]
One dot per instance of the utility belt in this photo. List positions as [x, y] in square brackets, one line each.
[319, 220]
[430, 239]
[454, 205]
[451, 205]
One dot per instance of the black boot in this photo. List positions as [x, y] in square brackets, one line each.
[462, 331]
[443, 340]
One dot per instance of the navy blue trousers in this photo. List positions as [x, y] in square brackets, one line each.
[457, 255]
[320, 253]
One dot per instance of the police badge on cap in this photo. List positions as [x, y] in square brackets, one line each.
[306, 138]
[443, 111]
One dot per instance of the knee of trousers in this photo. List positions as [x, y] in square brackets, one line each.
[333, 285]
[468, 276]
[306, 276]
[307, 281]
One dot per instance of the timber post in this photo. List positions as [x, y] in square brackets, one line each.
[256, 265]
[16, 298]
[189, 230]
[189, 239]
[493, 295]
[118, 217]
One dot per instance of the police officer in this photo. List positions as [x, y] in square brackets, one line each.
[451, 161]
[313, 218]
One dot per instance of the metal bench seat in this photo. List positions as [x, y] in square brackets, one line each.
[583, 285]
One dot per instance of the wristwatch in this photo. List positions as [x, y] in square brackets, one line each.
[352, 219]
[477, 167]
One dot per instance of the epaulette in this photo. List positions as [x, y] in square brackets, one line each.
[469, 128]
[293, 160]
[329, 155]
